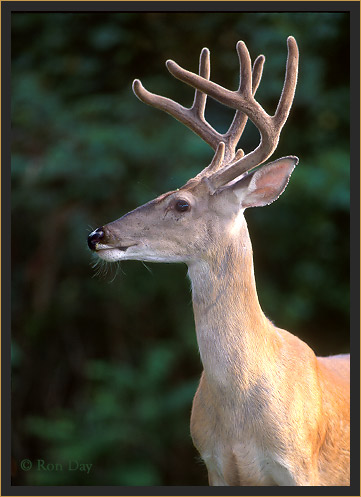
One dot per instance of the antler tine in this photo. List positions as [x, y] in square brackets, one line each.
[257, 72]
[245, 83]
[232, 136]
[192, 117]
[240, 119]
[200, 98]
[289, 87]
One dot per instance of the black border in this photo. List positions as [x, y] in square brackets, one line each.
[181, 6]
[355, 245]
[7, 8]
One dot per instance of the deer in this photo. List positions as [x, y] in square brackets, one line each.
[267, 411]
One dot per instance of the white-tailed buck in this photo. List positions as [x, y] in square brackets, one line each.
[267, 410]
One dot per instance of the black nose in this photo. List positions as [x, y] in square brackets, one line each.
[95, 237]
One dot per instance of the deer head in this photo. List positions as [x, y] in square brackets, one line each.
[187, 224]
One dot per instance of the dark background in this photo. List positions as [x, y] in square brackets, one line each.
[105, 362]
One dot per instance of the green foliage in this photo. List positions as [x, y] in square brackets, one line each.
[105, 366]
[115, 424]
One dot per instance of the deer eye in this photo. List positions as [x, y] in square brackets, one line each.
[182, 206]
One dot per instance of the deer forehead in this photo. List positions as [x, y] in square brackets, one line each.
[193, 193]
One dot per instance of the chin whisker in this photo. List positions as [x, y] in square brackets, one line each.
[146, 267]
[104, 269]
[101, 268]
[116, 268]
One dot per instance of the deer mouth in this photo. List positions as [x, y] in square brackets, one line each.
[123, 248]
[111, 254]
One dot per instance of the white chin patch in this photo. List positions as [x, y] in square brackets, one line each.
[111, 255]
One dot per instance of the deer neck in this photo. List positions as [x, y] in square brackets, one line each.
[233, 333]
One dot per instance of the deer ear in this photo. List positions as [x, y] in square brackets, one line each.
[266, 184]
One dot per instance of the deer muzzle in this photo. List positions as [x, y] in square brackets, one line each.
[107, 246]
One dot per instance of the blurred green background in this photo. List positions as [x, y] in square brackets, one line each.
[105, 365]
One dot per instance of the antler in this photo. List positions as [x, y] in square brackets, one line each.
[227, 164]
[193, 117]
